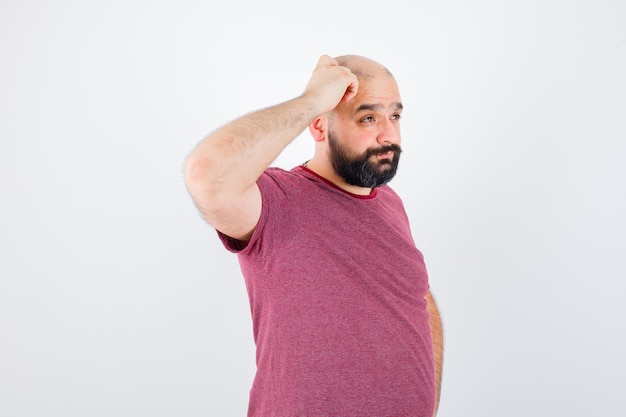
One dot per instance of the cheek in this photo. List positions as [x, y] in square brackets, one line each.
[361, 136]
[354, 137]
[360, 143]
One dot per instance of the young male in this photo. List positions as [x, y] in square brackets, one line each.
[343, 318]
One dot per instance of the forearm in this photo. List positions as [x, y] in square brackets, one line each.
[221, 172]
[235, 155]
[436, 330]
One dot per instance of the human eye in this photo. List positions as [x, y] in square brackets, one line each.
[367, 119]
[395, 116]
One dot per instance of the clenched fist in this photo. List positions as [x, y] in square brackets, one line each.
[331, 83]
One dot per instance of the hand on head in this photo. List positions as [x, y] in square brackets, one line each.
[331, 83]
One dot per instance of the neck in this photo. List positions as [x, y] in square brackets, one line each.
[326, 171]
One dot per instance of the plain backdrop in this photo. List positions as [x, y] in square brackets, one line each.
[116, 299]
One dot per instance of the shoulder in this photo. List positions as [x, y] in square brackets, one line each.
[280, 176]
[390, 201]
[280, 211]
[385, 192]
[277, 181]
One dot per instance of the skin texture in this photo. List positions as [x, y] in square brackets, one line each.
[352, 98]
[221, 172]
[436, 331]
[371, 119]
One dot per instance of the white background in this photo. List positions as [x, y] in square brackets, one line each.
[117, 299]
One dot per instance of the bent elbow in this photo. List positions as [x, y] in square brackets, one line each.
[201, 178]
[196, 171]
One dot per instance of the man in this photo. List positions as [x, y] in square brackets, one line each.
[343, 318]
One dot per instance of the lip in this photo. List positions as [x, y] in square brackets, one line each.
[386, 155]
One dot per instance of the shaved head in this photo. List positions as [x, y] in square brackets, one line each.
[364, 68]
[358, 141]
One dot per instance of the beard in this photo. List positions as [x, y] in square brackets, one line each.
[362, 170]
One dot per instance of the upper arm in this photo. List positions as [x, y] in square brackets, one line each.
[237, 216]
[232, 212]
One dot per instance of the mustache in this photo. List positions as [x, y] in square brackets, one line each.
[384, 149]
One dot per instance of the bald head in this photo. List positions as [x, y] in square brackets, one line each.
[364, 68]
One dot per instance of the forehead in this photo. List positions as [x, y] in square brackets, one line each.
[378, 93]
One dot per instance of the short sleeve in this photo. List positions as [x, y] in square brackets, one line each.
[280, 196]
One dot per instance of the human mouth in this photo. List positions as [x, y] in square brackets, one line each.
[385, 152]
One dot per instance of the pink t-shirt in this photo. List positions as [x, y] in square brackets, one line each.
[336, 288]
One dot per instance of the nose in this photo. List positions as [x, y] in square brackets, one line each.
[389, 133]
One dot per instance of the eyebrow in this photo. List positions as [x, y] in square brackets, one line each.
[376, 107]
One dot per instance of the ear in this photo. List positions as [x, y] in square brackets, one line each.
[318, 128]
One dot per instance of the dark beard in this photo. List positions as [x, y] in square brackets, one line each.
[361, 171]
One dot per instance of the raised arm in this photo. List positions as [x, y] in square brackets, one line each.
[221, 172]
[436, 331]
